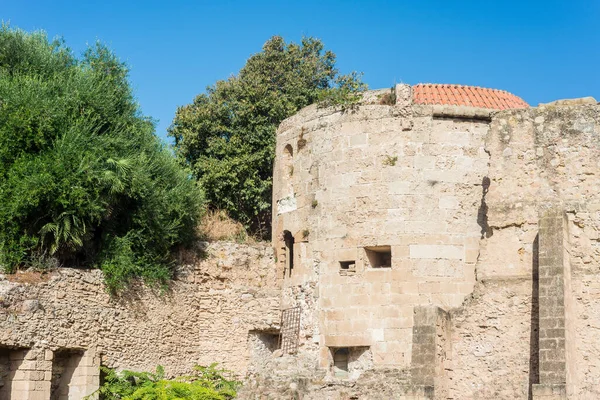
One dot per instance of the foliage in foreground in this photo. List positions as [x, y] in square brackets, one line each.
[84, 181]
[227, 135]
[207, 383]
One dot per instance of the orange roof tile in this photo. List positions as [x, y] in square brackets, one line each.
[459, 95]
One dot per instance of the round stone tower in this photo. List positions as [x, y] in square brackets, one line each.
[378, 211]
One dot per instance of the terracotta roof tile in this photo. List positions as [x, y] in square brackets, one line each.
[459, 95]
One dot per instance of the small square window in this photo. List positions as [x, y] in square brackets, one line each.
[350, 362]
[348, 265]
[379, 256]
[263, 343]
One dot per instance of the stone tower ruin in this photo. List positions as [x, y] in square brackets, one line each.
[433, 242]
[427, 238]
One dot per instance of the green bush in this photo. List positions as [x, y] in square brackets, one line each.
[207, 383]
[84, 181]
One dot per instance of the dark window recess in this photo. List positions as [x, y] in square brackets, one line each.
[288, 152]
[63, 383]
[264, 342]
[289, 251]
[379, 256]
[340, 362]
[348, 265]
[288, 159]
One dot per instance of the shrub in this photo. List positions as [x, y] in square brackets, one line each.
[207, 383]
[388, 99]
[390, 160]
[84, 181]
[217, 225]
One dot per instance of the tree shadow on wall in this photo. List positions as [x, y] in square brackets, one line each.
[534, 339]
[482, 218]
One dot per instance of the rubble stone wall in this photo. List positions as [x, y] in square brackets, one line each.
[222, 292]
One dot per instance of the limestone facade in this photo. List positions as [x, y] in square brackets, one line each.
[403, 212]
[431, 251]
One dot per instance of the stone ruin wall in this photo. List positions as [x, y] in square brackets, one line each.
[218, 310]
[546, 182]
[493, 223]
[491, 217]
[378, 176]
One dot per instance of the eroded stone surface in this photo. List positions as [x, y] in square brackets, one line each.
[458, 199]
[204, 317]
[453, 252]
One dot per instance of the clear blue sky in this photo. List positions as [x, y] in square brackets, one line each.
[539, 50]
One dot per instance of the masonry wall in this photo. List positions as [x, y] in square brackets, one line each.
[379, 176]
[223, 291]
[493, 224]
[460, 200]
[542, 200]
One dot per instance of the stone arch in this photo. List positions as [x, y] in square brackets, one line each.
[288, 160]
[288, 239]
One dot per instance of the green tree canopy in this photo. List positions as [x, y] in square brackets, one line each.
[227, 135]
[84, 181]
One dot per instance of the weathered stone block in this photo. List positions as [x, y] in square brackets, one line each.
[436, 251]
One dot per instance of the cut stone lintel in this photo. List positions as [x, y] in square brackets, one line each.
[433, 251]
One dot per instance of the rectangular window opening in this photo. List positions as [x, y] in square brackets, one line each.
[66, 373]
[379, 256]
[340, 361]
[264, 343]
[348, 265]
[350, 362]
